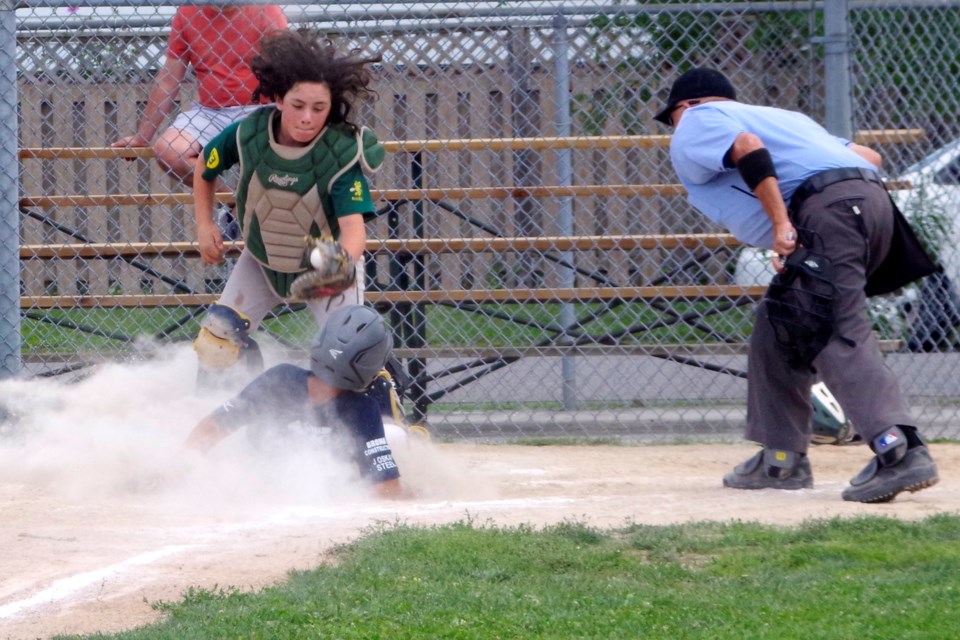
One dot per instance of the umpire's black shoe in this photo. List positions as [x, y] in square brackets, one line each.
[916, 470]
[772, 469]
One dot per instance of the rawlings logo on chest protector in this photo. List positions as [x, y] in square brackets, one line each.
[283, 181]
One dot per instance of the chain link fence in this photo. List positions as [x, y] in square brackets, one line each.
[546, 275]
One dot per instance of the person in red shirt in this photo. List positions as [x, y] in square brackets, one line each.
[218, 43]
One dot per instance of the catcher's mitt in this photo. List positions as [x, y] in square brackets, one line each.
[330, 270]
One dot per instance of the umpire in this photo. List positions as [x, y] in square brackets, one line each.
[778, 180]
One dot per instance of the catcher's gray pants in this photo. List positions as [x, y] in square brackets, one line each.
[248, 291]
[851, 365]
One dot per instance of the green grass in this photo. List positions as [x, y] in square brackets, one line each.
[452, 327]
[868, 577]
[446, 327]
[112, 331]
[55, 331]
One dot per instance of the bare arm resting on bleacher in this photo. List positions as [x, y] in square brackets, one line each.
[218, 44]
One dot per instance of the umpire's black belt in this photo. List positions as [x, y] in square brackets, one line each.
[817, 183]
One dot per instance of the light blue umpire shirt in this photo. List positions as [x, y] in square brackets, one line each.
[800, 148]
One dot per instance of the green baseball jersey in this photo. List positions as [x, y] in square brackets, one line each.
[286, 193]
[350, 193]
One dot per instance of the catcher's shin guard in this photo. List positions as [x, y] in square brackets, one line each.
[222, 343]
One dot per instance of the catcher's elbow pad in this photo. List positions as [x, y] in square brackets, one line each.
[755, 167]
[224, 332]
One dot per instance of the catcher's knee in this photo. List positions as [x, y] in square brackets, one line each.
[224, 340]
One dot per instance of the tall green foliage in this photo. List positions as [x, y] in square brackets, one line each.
[659, 43]
[901, 52]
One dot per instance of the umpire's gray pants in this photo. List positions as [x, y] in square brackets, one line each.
[778, 396]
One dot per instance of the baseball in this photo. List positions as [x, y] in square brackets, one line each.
[395, 434]
[316, 258]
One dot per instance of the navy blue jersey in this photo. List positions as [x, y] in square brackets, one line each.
[279, 397]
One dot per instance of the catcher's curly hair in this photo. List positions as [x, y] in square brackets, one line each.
[289, 57]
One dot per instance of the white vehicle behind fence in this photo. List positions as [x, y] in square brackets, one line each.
[926, 315]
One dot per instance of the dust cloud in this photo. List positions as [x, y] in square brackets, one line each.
[120, 432]
[103, 510]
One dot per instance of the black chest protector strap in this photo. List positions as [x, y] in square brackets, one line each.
[800, 306]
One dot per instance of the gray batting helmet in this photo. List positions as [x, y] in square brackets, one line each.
[351, 348]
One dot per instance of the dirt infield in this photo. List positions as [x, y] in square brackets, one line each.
[79, 566]
[102, 510]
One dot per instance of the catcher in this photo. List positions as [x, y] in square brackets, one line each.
[300, 199]
[345, 389]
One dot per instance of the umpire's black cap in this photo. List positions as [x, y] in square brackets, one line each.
[696, 83]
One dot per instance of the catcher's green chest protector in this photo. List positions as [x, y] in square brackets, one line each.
[284, 192]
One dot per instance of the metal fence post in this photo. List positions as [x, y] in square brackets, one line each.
[10, 358]
[565, 213]
[838, 97]
[416, 313]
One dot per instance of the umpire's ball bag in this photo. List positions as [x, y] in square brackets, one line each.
[800, 306]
